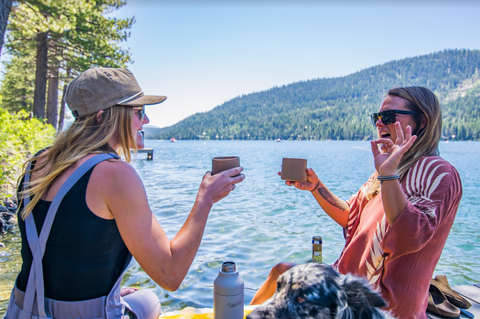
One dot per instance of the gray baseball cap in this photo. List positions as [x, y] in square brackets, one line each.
[101, 88]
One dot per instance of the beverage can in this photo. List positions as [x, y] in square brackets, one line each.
[317, 249]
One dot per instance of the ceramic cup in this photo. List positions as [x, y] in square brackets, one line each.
[220, 164]
[294, 169]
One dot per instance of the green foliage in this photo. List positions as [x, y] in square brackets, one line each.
[461, 117]
[340, 108]
[18, 85]
[79, 36]
[20, 137]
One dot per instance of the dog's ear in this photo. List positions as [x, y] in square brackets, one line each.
[359, 299]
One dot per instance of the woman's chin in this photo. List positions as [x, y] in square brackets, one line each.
[140, 144]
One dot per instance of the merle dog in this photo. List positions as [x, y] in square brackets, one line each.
[317, 291]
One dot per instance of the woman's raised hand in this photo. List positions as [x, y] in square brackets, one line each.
[215, 187]
[309, 185]
[386, 162]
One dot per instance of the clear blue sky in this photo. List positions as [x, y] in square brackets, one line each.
[203, 53]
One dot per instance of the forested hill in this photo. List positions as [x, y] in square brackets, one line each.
[340, 108]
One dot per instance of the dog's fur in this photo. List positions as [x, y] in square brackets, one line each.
[317, 291]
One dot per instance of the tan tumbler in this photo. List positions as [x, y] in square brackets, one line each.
[294, 169]
[220, 164]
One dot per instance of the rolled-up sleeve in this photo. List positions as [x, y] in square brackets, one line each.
[433, 190]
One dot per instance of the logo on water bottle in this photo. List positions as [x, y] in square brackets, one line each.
[234, 304]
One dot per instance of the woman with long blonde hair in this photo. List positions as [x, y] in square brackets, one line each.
[396, 225]
[84, 211]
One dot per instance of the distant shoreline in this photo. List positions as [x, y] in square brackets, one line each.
[287, 140]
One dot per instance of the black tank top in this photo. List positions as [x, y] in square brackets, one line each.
[84, 255]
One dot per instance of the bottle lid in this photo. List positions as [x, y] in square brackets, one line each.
[229, 267]
[317, 240]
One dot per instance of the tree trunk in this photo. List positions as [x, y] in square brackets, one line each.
[5, 7]
[52, 101]
[40, 76]
[61, 119]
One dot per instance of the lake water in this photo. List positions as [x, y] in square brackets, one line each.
[263, 221]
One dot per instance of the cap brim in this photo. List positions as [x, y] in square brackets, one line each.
[146, 100]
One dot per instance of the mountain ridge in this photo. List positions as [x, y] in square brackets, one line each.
[339, 107]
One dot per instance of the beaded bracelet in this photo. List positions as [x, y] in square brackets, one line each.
[388, 178]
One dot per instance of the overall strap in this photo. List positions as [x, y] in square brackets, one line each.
[35, 285]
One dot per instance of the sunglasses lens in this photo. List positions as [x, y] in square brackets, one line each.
[388, 117]
[141, 113]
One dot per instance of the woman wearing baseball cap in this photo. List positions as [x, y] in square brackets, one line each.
[83, 211]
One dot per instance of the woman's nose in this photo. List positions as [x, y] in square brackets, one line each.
[146, 120]
[379, 122]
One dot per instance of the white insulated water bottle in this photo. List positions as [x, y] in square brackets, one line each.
[228, 297]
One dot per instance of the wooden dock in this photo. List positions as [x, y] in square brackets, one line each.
[149, 152]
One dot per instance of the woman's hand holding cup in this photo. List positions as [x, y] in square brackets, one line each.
[218, 183]
[310, 184]
[216, 187]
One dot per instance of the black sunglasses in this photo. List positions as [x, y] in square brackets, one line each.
[141, 112]
[388, 117]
